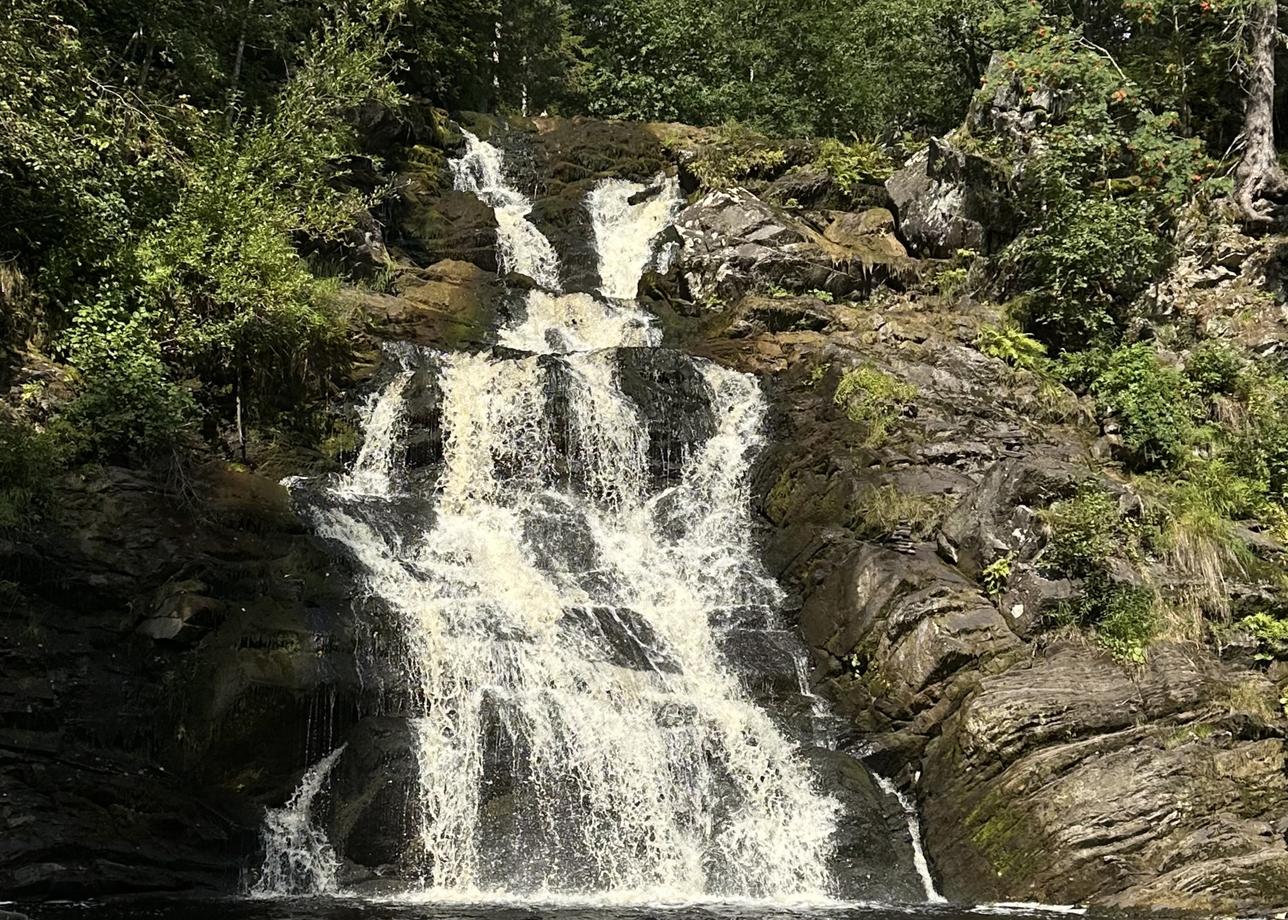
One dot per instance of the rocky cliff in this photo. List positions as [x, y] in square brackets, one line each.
[177, 648]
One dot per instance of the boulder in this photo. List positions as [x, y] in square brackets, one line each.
[434, 226]
[735, 243]
[949, 199]
[874, 861]
[452, 302]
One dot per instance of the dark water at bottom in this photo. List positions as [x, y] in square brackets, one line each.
[355, 909]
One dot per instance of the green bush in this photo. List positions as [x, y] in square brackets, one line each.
[1214, 368]
[853, 165]
[873, 399]
[1270, 632]
[734, 153]
[127, 406]
[1085, 531]
[29, 460]
[1149, 401]
[1123, 618]
[1258, 442]
[1125, 621]
[1081, 264]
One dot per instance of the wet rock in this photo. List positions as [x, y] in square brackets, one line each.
[949, 199]
[158, 678]
[373, 793]
[434, 226]
[562, 216]
[449, 303]
[874, 860]
[674, 401]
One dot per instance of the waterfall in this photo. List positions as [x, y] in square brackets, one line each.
[522, 247]
[298, 858]
[626, 227]
[577, 727]
[914, 832]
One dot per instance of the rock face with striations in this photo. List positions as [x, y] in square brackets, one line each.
[1045, 770]
[175, 654]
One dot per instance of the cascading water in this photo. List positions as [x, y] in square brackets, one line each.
[298, 858]
[577, 727]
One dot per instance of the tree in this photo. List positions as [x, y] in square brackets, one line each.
[1260, 184]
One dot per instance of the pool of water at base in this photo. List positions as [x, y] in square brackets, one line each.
[137, 908]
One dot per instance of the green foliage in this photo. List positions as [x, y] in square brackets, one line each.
[1081, 263]
[164, 235]
[1099, 189]
[735, 153]
[1148, 400]
[873, 399]
[1125, 621]
[1009, 343]
[1270, 632]
[996, 574]
[1258, 440]
[128, 406]
[221, 271]
[1214, 368]
[853, 165]
[1085, 531]
[29, 459]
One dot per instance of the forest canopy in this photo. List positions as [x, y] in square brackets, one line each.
[169, 170]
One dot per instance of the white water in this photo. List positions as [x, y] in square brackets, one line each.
[914, 830]
[578, 730]
[298, 858]
[625, 232]
[522, 247]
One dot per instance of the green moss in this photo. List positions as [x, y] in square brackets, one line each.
[1000, 835]
[780, 496]
[873, 399]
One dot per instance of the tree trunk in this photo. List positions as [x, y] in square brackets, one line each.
[1259, 182]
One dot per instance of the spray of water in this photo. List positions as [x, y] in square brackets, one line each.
[298, 858]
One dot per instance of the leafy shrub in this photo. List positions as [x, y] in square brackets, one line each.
[1123, 618]
[874, 400]
[127, 404]
[1085, 531]
[1258, 447]
[853, 165]
[1149, 401]
[28, 461]
[1125, 621]
[1270, 632]
[1082, 262]
[1009, 343]
[996, 574]
[1214, 368]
